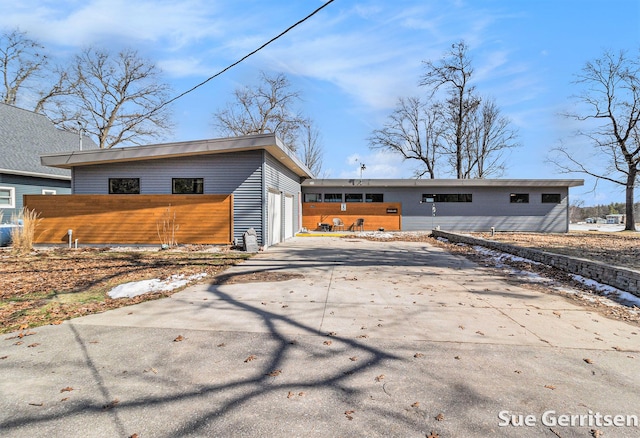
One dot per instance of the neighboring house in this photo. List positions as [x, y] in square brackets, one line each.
[207, 192]
[538, 205]
[24, 136]
[616, 218]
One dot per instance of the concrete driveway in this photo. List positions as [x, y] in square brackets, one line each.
[358, 338]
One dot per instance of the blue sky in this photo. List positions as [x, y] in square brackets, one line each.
[354, 59]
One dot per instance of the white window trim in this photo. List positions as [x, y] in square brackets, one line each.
[48, 192]
[12, 197]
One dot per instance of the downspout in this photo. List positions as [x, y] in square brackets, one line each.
[265, 200]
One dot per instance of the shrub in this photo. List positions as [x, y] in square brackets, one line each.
[167, 229]
[22, 236]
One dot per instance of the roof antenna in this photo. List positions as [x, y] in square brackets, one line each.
[362, 167]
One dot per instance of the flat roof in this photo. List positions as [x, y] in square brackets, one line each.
[426, 183]
[269, 142]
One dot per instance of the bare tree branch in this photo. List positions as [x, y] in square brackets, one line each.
[411, 132]
[267, 107]
[610, 96]
[113, 95]
[21, 59]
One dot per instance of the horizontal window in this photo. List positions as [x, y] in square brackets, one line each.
[551, 198]
[353, 197]
[374, 197]
[187, 186]
[448, 197]
[124, 186]
[312, 197]
[333, 197]
[7, 197]
[519, 198]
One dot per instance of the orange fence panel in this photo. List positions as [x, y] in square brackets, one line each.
[132, 219]
[376, 215]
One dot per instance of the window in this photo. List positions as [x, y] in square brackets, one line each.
[312, 197]
[124, 186]
[187, 186]
[7, 197]
[374, 197]
[353, 197]
[519, 198]
[448, 197]
[551, 198]
[48, 192]
[333, 197]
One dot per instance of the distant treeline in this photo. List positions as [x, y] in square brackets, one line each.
[579, 213]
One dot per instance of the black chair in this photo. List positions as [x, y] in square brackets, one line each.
[359, 224]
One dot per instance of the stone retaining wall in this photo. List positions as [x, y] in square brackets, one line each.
[621, 278]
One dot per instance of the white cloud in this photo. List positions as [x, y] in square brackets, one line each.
[78, 24]
[378, 164]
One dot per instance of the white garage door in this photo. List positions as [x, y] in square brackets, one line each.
[288, 217]
[274, 207]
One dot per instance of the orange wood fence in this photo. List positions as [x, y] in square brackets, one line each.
[376, 215]
[132, 219]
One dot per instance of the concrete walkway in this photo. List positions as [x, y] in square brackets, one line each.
[368, 339]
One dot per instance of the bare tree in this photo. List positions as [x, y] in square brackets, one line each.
[611, 101]
[310, 150]
[267, 107]
[490, 138]
[21, 59]
[453, 73]
[115, 97]
[413, 133]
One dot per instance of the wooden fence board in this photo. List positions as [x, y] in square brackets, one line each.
[376, 215]
[132, 219]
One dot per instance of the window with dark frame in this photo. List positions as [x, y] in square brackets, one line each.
[353, 197]
[312, 197]
[448, 197]
[374, 197]
[187, 186]
[333, 197]
[519, 198]
[124, 186]
[551, 198]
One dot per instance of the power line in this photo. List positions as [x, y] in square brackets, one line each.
[243, 58]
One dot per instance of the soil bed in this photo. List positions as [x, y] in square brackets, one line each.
[51, 285]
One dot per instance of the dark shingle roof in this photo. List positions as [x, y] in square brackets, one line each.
[25, 135]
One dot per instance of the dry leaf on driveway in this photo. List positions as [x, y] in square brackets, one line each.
[349, 414]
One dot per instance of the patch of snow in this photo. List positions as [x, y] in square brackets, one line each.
[377, 234]
[135, 288]
[612, 296]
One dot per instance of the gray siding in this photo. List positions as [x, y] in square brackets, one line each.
[491, 207]
[238, 173]
[26, 185]
[281, 179]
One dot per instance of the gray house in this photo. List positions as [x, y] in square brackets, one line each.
[24, 136]
[258, 173]
[540, 205]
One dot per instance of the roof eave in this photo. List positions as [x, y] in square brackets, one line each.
[36, 174]
[355, 182]
[268, 142]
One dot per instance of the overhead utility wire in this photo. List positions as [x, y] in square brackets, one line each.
[244, 57]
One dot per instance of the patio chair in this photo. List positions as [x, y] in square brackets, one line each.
[338, 224]
[359, 224]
